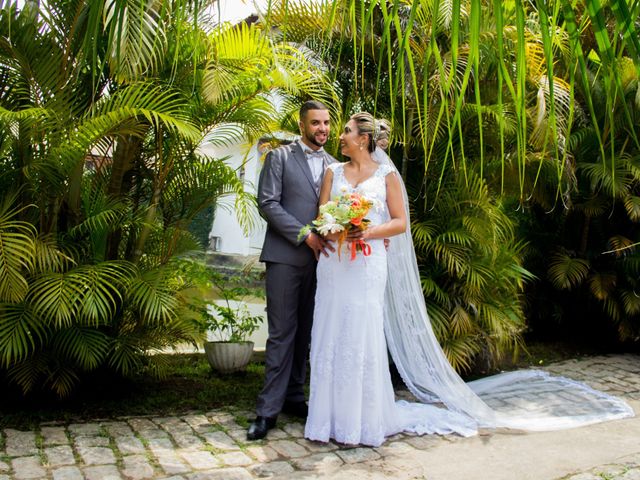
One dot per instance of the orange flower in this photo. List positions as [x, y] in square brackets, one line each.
[356, 221]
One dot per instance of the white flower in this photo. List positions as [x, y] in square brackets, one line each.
[328, 218]
[330, 228]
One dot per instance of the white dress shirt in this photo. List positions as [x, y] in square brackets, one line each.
[315, 159]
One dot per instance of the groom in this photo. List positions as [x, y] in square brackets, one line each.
[288, 192]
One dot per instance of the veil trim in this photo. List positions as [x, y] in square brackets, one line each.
[525, 400]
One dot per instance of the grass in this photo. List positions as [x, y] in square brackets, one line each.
[190, 385]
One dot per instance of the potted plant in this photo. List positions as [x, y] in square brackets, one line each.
[231, 323]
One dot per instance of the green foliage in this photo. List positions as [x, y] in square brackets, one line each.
[538, 99]
[189, 385]
[229, 317]
[103, 114]
[471, 266]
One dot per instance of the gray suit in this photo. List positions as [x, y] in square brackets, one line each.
[288, 199]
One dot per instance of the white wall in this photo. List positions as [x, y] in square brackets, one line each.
[231, 238]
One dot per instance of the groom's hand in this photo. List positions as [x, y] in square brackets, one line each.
[318, 245]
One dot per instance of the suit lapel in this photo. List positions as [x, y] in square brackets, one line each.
[301, 158]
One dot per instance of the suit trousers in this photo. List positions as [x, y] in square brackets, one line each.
[290, 302]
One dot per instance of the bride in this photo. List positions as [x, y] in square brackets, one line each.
[373, 302]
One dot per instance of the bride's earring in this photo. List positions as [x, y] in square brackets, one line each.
[361, 146]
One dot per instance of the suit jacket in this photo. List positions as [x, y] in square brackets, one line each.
[288, 200]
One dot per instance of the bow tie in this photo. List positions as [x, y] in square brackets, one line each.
[313, 153]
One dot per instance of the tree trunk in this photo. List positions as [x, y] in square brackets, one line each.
[124, 157]
[405, 148]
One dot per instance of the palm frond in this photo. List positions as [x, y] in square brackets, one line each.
[602, 285]
[85, 347]
[17, 251]
[566, 272]
[21, 332]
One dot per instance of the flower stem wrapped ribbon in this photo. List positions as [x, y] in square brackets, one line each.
[341, 215]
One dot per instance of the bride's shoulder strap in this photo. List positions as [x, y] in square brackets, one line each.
[334, 166]
[385, 170]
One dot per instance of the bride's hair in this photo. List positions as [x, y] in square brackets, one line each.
[376, 129]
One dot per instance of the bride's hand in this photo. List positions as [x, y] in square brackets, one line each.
[356, 234]
[332, 237]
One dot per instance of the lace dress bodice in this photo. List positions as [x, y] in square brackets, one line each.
[373, 188]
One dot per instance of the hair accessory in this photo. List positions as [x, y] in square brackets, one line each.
[376, 129]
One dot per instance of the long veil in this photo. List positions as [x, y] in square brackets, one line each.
[525, 400]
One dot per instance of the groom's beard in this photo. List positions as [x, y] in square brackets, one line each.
[312, 139]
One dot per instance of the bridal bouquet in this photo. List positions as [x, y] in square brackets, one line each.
[341, 215]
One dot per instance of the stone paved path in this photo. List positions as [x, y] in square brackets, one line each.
[212, 445]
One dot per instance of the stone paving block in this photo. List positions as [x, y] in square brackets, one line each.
[221, 418]
[610, 471]
[263, 454]
[188, 442]
[153, 434]
[241, 435]
[128, 445]
[104, 472]
[159, 445]
[633, 474]
[172, 477]
[117, 429]
[136, 467]
[54, 436]
[142, 424]
[85, 441]
[220, 440]
[235, 459]
[200, 460]
[424, 442]
[89, 429]
[174, 425]
[272, 469]
[274, 434]
[288, 448]
[97, 456]
[222, 474]
[4, 466]
[171, 463]
[200, 423]
[67, 473]
[317, 447]
[19, 444]
[5, 477]
[59, 456]
[357, 455]
[324, 463]
[396, 448]
[294, 429]
[27, 467]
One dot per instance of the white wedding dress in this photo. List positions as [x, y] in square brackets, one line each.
[364, 305]
[352, 398]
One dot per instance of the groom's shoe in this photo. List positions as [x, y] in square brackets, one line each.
[297, 409]
[259, 428]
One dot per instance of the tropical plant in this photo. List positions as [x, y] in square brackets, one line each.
[537, 98]
[104, 112]
[594, 265]
[472, 274]
[229, 317]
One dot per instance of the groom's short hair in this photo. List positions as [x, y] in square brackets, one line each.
[311, 105]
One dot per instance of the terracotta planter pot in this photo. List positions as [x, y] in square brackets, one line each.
[227, 357]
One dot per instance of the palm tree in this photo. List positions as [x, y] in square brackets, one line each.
[100, 265]
[506, 92]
